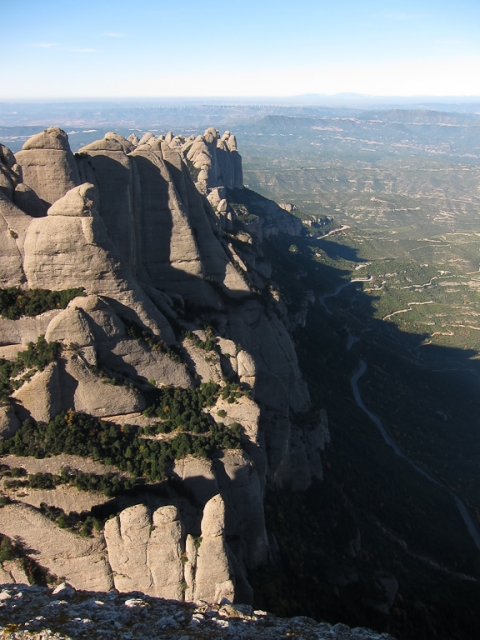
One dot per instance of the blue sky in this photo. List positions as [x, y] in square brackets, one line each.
[147, 48]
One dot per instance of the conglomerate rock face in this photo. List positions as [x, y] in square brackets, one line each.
[175, 293]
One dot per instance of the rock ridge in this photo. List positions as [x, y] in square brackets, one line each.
[176, 295]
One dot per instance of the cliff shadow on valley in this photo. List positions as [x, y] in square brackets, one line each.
[406, 534]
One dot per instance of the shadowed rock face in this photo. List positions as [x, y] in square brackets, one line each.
[27, 200]
[156, 217]
[168, 250]
[106, 165]
[146, 229]
[13, 226]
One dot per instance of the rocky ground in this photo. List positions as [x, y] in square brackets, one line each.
[41, 613]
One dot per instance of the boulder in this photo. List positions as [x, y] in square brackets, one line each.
[126, 145]
[164, 553]
[40, 397]
[6, 157]
[70, 326]
[52, 138]
[64, 590]
[133, 138]
[227, 347]
[219, 160]
[145, 552]
[78, 202]
[48, 165]
[10, 172]
[246, 367]
[231, 141]
[213, 577]
[127, 537]
[71, 384]
[145, 138]
[104, 323]
[86, 393]
[190, 567]
[135, 359]
[216, 195]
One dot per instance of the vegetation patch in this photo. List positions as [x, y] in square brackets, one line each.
[16, 302]
[86, 436]
[36, 357]
[82, 523]
[154, 343]
[110, 484]
[183, 409]
[210, 344]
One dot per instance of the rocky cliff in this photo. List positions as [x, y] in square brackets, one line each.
[145, 365]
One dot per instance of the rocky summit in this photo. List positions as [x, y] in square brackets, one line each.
[36, 612]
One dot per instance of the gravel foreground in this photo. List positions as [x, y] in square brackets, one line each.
[40, 613]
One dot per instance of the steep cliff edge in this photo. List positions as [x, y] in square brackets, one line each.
[141, 334]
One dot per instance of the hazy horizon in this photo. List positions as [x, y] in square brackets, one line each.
[129, 49]
[306, 98]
